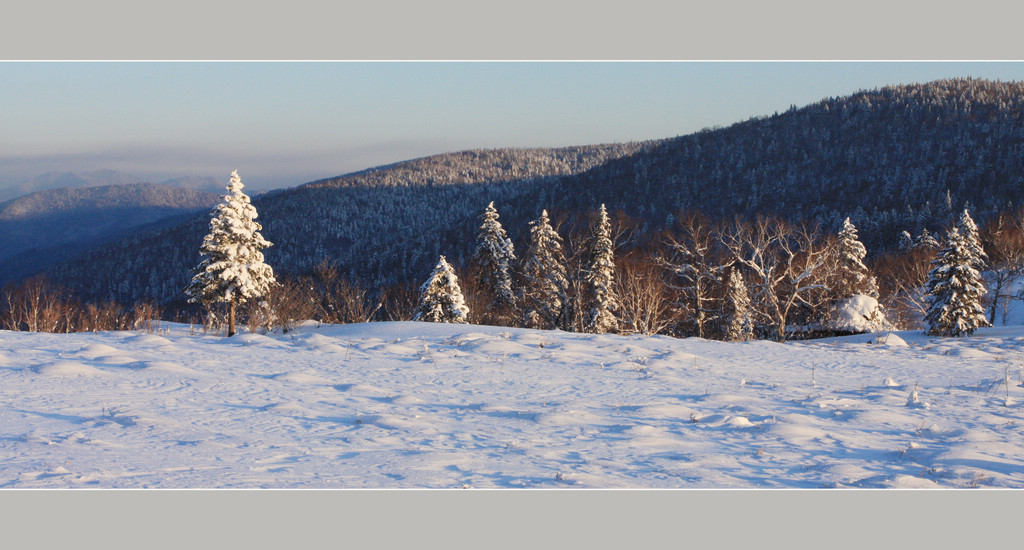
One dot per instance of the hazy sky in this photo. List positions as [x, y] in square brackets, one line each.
[283, 124]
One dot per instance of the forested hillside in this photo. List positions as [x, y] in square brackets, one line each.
[380, 225]
[902, 158]
[44, 227]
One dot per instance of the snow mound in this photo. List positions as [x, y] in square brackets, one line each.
[387, 421]
[93, 351]
[796, 431]
[649, 432]
[319, 342]
[740, 422]
[667, 411]
[568, 418]
[968, 353]
[891, 340]
[150, 340]
[68, 368]
[911, 482]
[301, 378]
[858, 313]
[407, 400]
[120, 359]
[167, 366]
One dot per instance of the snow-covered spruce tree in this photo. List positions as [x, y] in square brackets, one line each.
[972, 239]
[852, 277]
[738, 322]
[600, 301]
[954, 291]
[906, 241]
[925, 239]
[441, 299]
[232, 270]
[492, 266]
[544, 282]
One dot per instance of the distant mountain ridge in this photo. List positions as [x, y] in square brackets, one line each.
[129, 195]
[897, 158]
[68, 180]
[44, 227]
[485, 165]
[99, 178]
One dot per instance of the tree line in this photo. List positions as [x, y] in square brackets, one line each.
[736, 280]
[727, 279]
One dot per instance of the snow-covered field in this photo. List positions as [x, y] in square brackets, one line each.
[420, 405]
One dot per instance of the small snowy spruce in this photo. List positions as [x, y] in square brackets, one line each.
[906, 241]
[544, 281]
[954, 290]
[232, 270]
[925, 239]
[855, 307]
[441, 299]
[492, 263]
[853, 276]
[739, 325]
[601, 301]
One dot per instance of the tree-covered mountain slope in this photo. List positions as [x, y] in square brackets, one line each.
[897, 158]
[44, 227]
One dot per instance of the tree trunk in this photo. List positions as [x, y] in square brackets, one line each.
[995, 300]
[231, 319]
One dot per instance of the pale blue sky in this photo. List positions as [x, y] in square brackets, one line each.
[283, 124]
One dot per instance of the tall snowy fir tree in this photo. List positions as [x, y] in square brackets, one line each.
[544, 281]
[972, 239]
[954, 290]
[441, 299]
[232, 270]
[853, 276]
[738, 320]
[600, 301]
[492, 265]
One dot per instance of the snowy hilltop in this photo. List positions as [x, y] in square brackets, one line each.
[434, 405]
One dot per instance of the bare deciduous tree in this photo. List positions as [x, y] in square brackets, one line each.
[645, 301]
[1003, 240]
[784, 262]
[694, 259]
[901, 279]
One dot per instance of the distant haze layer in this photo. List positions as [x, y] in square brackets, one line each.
[283, 124]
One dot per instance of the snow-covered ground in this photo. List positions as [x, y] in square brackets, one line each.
[420, 405]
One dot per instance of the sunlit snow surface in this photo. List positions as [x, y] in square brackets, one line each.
[419, 405]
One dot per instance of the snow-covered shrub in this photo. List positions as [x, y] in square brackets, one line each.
[858, 313]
